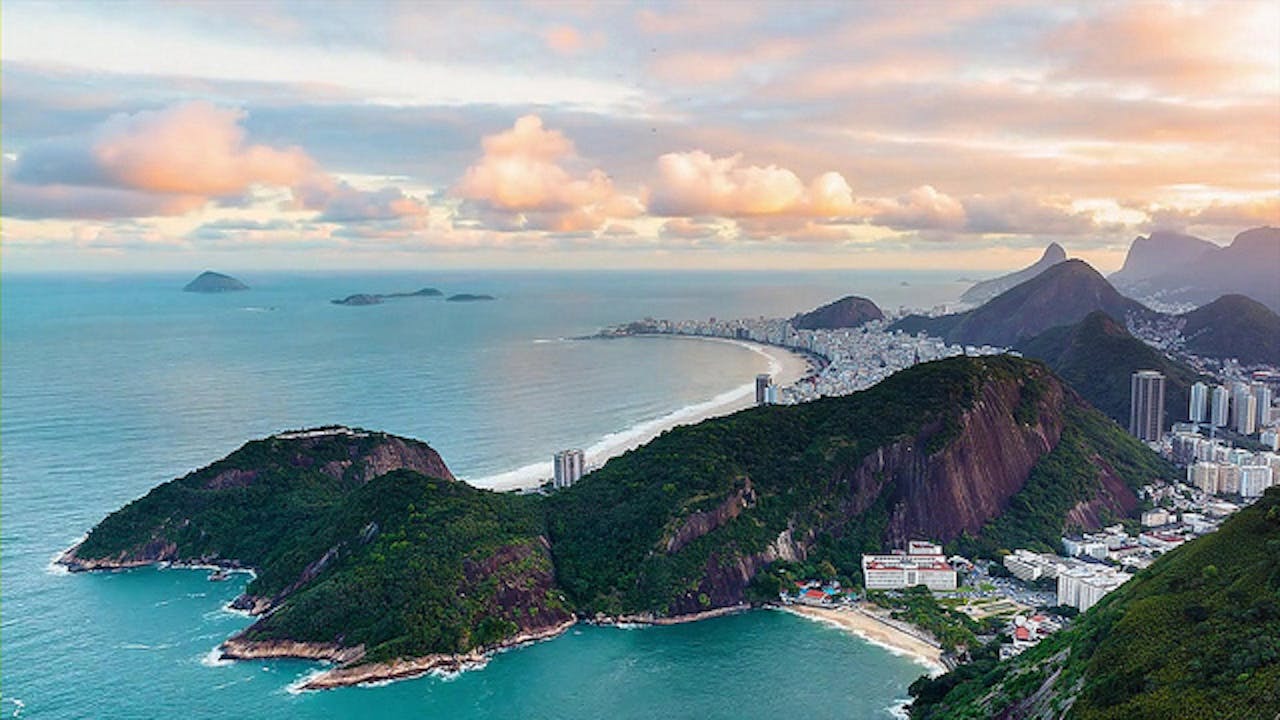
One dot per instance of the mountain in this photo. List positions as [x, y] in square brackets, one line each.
[214, 282]
[1234, 326]
[987, 289]
[1248, 266]
[1196, 635]
[368, 554]
[1062, 295]
[1161, 252]
[847, 312]
[1097, 357]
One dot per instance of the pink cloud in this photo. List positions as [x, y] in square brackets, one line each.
[568, 40]
[696, 183]
[531, 172]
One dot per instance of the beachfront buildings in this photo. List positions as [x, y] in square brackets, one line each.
[1083, 586]
[568, 466]
[922, 564]
[1146, 405]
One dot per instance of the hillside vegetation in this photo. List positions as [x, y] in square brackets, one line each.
[1196, 635]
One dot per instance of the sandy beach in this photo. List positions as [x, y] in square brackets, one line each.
[873, 630]
[785, 367]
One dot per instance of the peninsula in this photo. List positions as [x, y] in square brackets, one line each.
[369, 554]
[214, 282]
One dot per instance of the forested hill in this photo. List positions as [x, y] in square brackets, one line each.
[1196, 635]
[367, 550]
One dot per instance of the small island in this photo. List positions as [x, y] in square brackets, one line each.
[468, 297]
[214, 282]
[361, 299]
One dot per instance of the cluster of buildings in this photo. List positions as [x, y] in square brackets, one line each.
[853, 358]
[1026, 631]
[1244, 407]
[923, 563]
[1217, 468]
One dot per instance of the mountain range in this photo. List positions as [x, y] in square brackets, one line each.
[1180, 268]
[1061, 295]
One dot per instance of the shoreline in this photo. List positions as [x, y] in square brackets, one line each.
[786, 367]
[877, 632]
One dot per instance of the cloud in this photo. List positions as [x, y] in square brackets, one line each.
[696, 183]
[926, 208]
[568, 40]
[529, 178]
[1219, 213]
[339, 202]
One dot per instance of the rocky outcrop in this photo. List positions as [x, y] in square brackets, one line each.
[987, 289]
[238, 648]
[214, 282]
[700, 523]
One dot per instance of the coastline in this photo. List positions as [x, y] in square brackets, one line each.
[877, 632]
[785, 367]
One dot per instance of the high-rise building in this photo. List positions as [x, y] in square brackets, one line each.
[1146, 405]
[1204, 475]
[762, 388]
[1246, 413]
[569, 465]
[1254, 480]
[1221, 406]
[1199, 403]
[1262, 393]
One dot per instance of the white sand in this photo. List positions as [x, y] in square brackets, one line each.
[877, 632]
[785, 367]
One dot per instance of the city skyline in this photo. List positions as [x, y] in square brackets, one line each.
[968, 136]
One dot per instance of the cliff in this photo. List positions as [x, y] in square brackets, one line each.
[987, 289]
[847, 312]
[1159, 253]
[1194, 635]
[213, 282]
[1248, 266]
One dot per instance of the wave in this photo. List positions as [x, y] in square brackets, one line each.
[144, 646]
[53, 568]
[934, 668]
[214, 658]
[899, 709]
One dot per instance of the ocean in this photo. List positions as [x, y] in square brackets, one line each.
[111, 384]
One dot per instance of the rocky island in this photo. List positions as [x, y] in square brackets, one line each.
[377, 299]
[214, 282]
[369, 554]
[469, 297]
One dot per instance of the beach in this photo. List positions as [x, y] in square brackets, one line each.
[876, 631]
[785, 368]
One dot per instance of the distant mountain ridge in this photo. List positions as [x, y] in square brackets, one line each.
[1167, 266]
[1062, 295]
[847, 312]
[987, 289]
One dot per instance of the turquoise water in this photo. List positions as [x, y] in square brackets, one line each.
[110, 385]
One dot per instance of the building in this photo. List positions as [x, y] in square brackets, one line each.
[1204, 475]
[1029, 567]
[1146, 405]
[1271, 440]
[1254, 480]
[1221, 406]
[763, 381]
[1156, 518]
[568, 466]
[1198, 411]
[1082, 587]
[1262, 395]
[1246, 413]
[923, 565]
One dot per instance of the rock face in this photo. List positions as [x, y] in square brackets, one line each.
[847, 312]
[1062, 295]
[987, 289]
[1161, 252]
[213, 282]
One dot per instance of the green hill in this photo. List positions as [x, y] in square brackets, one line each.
[367, 550]
[1196, 635]
[1097, 357]
[1234, 326]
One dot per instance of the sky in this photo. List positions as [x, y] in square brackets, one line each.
[919, 134]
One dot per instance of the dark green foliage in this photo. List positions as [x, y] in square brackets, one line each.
[406, 591]
[1097, 357]
[1195, 635]
[609, 531]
